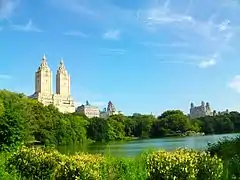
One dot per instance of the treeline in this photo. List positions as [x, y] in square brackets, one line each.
[25, 120]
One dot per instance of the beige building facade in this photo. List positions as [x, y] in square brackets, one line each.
[89, 110]
[43, 87]
[200, 111]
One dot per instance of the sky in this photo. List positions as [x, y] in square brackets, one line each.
[146, 56]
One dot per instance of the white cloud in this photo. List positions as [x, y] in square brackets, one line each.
[203, 35]
[209, 62]
[235, 83]
[7, 8]
[162, 14]
[5, 76]
[76, 33]
[224, 25]
[175, 44]
[29, 27]
[112, 34]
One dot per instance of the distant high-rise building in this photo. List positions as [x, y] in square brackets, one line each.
[89, 110]
[111, 110]
[43, 87]
[200, 111]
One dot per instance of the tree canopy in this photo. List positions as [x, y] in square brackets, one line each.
[25, 120]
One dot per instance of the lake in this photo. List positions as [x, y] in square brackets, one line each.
[135, 147]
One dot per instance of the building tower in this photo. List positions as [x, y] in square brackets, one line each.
[110, 107]
[62, 81]
[43, 78]
[43, 83]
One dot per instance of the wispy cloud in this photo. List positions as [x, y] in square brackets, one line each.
[190, 59]
[177, 62]
[157, 16]
[112, 34]
[7, 8]
[29, 27]
[112, 51]
[209, 62]
[174, 44]
[76, 33]
[5, 76]
[235, 83]
[204, 36]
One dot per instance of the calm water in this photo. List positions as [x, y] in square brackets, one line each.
[132, 148]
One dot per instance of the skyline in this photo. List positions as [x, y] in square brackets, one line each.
[145, 57]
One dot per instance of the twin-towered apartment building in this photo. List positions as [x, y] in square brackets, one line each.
[62, 98]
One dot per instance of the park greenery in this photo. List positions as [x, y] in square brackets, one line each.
[24, 121]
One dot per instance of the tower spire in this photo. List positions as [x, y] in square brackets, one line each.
[61, 65]
[43, 63]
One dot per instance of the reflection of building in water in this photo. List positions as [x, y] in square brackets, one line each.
[43, 87]
[200, 111]
[110, 110]
[89, 110]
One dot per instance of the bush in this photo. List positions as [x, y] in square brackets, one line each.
[4, 175]
[36, 163]
[81, 166]
[183, 164]
[229, 150]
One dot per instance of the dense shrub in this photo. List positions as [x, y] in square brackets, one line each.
[81, 166]
[183, 164]
[36, 163]
[4, 175]
[229, 150]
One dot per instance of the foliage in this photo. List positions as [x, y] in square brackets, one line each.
[229, 151]
[12, 122]
[184, 164]
[80, 166]
[36, 163]
[24, 120]
[4, 175]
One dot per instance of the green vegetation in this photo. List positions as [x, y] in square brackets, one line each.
[23, 120]
[35, 163]
[229, 151]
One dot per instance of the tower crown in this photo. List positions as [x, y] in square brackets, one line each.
[62, 68]
[44, 64]
[62, 80]
[111, 107]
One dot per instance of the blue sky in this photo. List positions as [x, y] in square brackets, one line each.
[144, 55]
